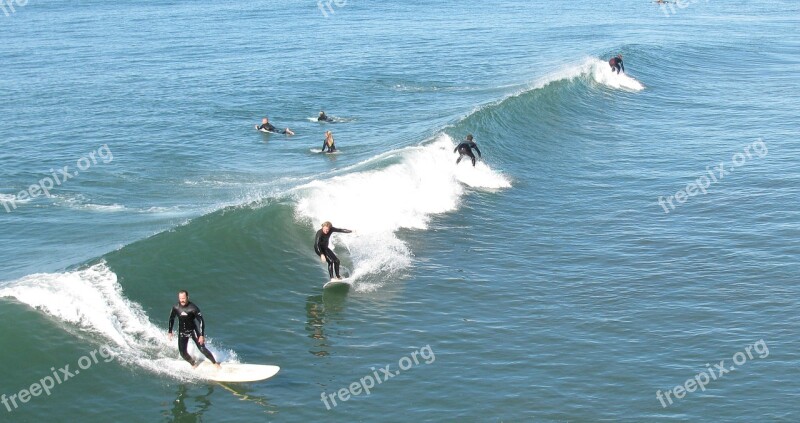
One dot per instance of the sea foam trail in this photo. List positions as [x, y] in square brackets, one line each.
[376, 204]
[91, 300]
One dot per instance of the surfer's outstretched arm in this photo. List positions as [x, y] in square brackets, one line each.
[622, 66]
[344, 231]
[477, 150]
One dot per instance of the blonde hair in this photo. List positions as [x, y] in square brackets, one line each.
[326, 223]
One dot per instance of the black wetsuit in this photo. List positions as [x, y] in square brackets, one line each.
[270, 128]
[616, 64]
[324, 118]
[187, 329]
[331, 148]
[321, 248]
[465, 149]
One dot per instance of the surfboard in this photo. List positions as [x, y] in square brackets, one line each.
[333, 283]
[317, 150]
[236, 372]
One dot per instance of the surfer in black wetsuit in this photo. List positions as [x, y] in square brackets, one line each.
[323, 117]
[328, 143]
[616, 64]
[266, 126]
[465, 149]
[321, 247]
[187, 313]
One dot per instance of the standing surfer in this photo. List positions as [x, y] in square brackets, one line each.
[616, 64]
[465, 149]
[187, 313]
[321, 247]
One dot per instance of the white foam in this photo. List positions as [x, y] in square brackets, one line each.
[377, 203]
[92, 301]
[602, 74]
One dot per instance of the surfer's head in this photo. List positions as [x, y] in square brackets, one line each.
[265, 120]
[183, 297]
[326, 227]
[469, 137]
[322, 113]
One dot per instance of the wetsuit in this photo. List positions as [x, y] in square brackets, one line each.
[321, 248]
[187, 329]
[324, 118]
[270, 128]
[331, 148]
[616, 64]
[465, 149]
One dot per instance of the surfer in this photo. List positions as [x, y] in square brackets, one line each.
[321, 247]
[465, 149]
[187, 313]
[266, 126]
[616, 64]
[323, 117]
[328, 143]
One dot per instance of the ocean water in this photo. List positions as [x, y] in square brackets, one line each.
[625, 249]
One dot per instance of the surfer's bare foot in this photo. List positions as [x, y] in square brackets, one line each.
[217, 365]
[194, 366]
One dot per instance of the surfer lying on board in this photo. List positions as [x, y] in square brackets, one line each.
[328, 143]
[187, 312]
[616, 64]
[323, 117]
[266, 126]
[465, 149]
[321, 247]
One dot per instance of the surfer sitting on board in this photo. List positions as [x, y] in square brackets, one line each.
[323, 117]
[321, 247]
[266, 126]
[465, 149]
[187, 312]
[616, 64]
[328, 143]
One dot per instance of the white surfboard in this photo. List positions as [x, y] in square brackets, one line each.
[236, 372]
[317, 150]
[333, 283]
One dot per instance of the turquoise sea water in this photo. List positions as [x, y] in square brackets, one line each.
[596, 258]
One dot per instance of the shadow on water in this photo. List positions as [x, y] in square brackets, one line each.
[189, 408]
[199, 403]
[320, 310]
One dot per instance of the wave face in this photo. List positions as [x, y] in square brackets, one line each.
[378, 198]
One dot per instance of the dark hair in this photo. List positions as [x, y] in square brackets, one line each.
[183, 291]
[469, 137]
